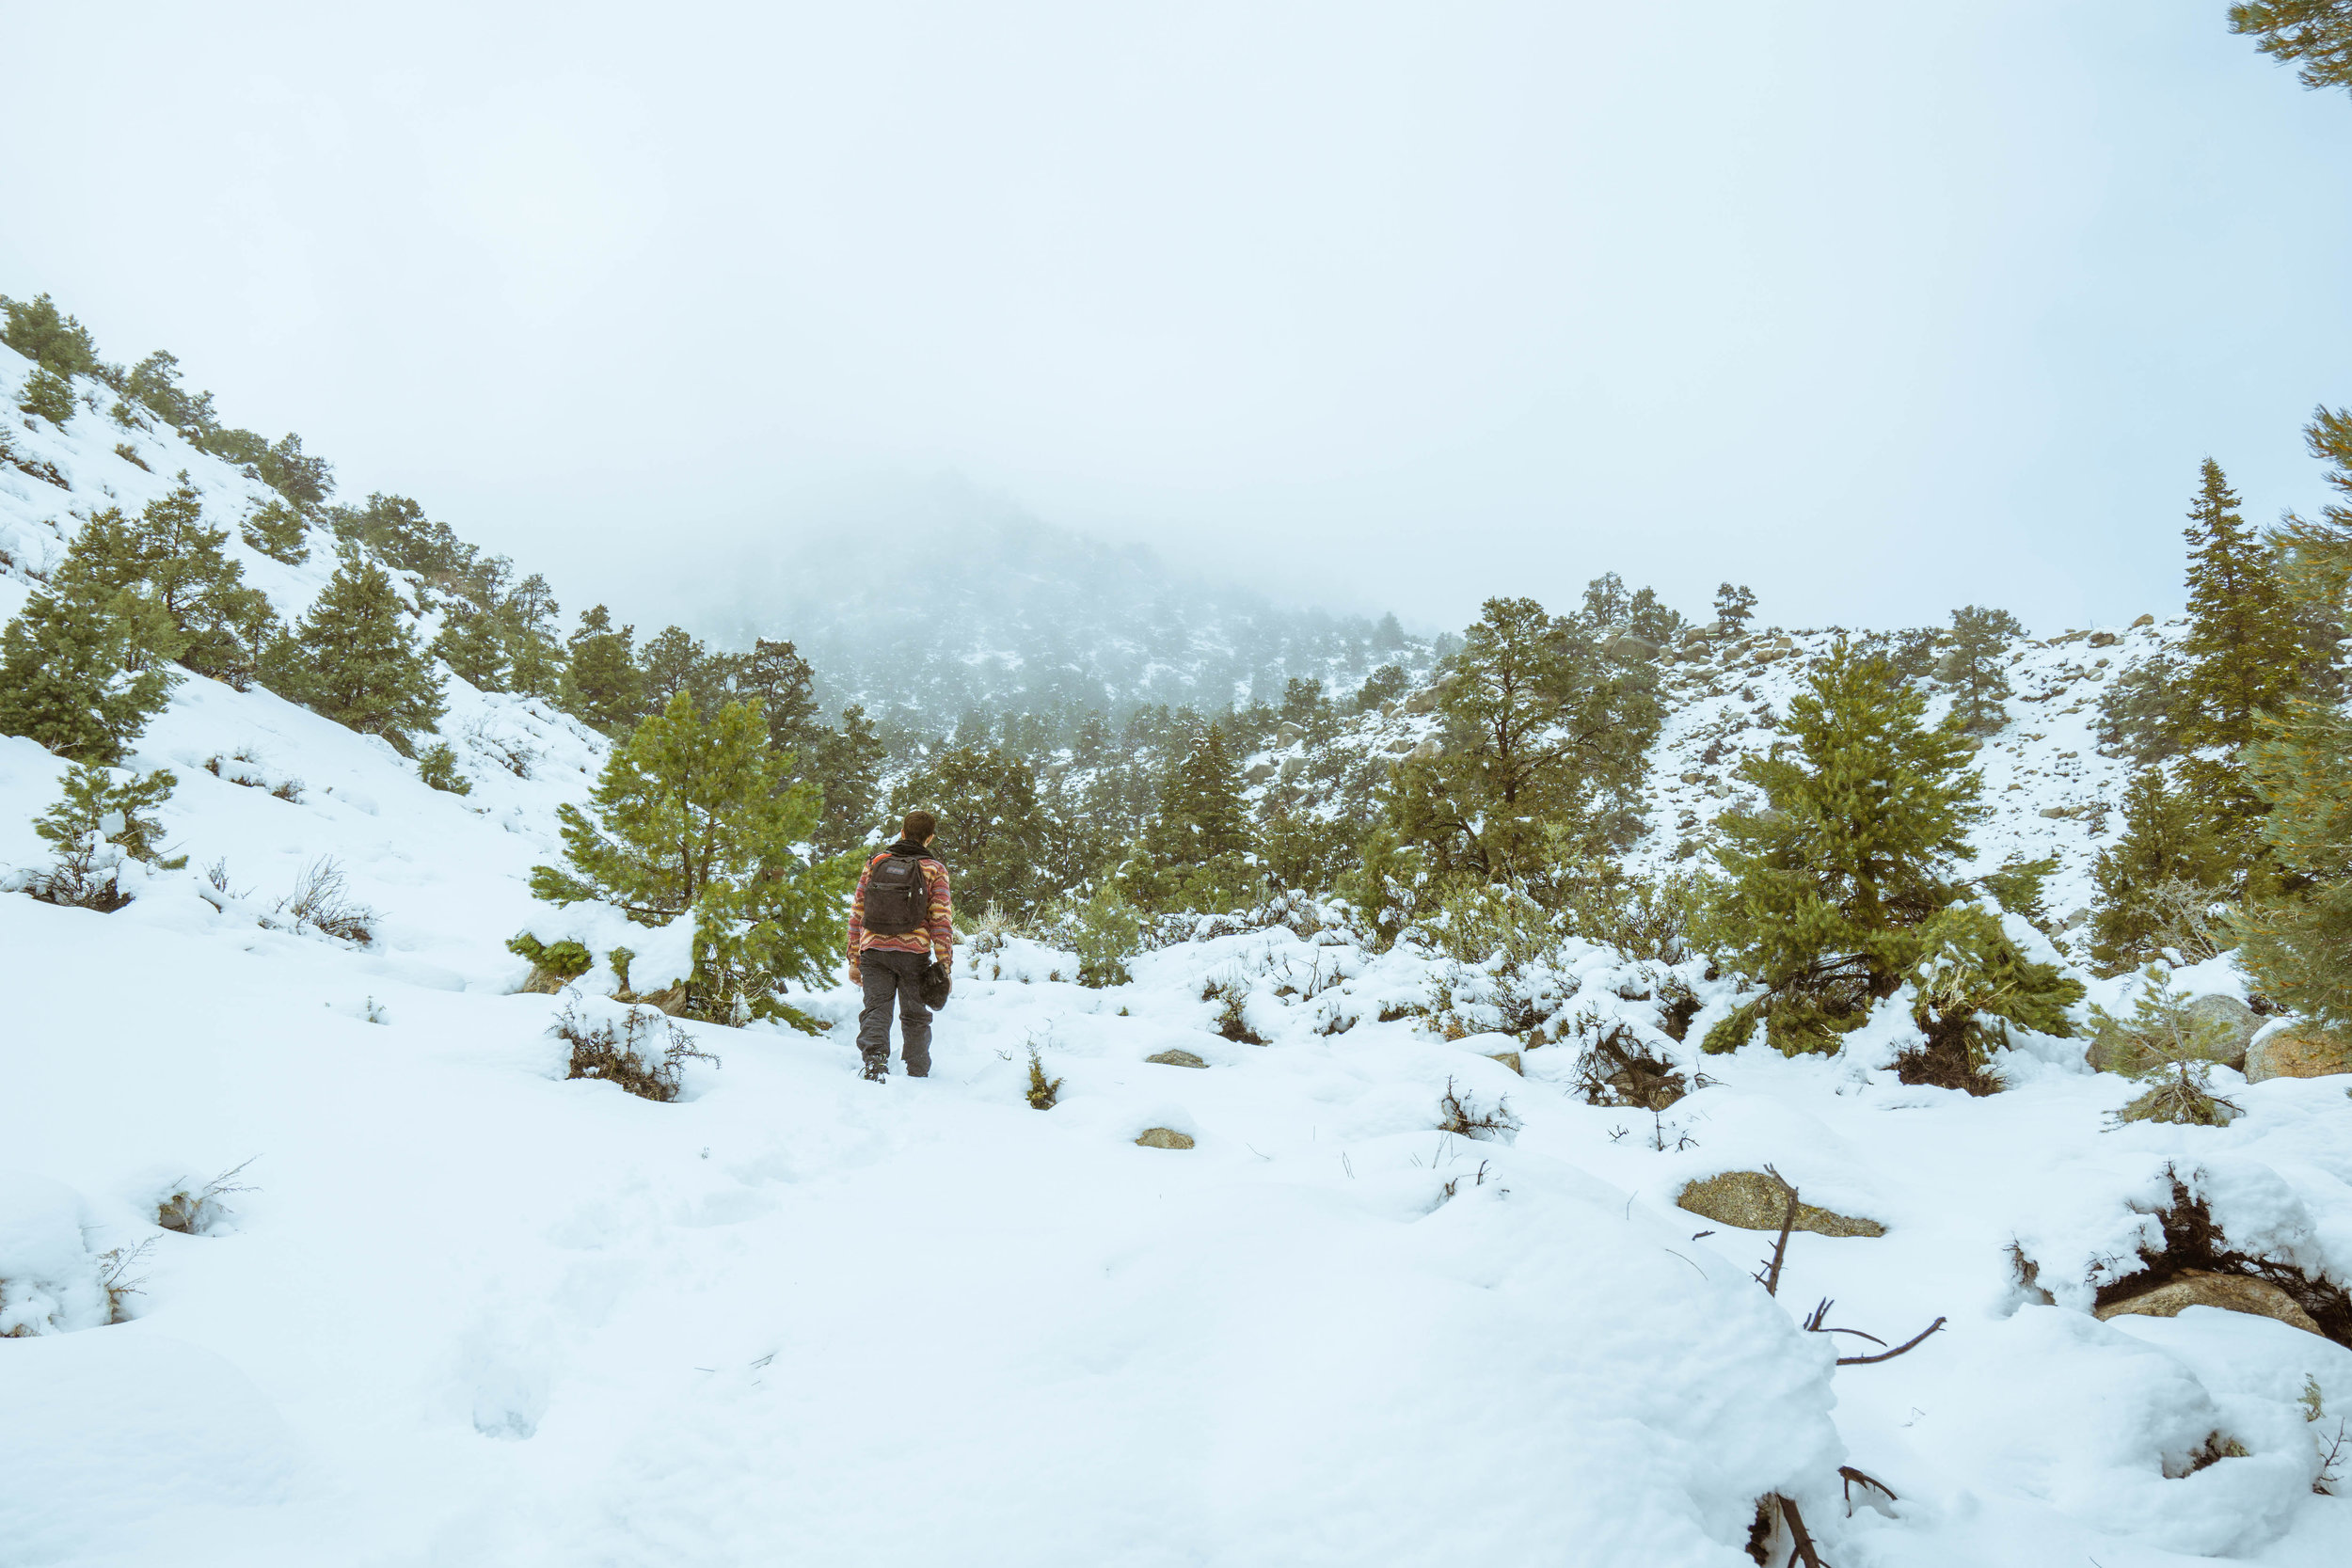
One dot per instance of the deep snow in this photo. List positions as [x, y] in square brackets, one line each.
[474, 1313]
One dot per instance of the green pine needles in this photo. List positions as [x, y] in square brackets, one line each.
[99, 825]
[353, 660]
[2170, 1049]
[1843, 890]
[87, 663]
[695, 816]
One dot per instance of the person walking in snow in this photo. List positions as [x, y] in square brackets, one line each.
[901, 923]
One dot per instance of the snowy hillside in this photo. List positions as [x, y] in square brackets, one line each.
[1377, 1295]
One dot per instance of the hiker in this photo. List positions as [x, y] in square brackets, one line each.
[901, 924]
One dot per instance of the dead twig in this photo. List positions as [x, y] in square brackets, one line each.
[1813, 1324]
[1889, 1355]
[1849, 1475]
[1770, 1278]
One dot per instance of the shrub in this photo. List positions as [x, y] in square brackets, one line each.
[47, 396]
[436, 765]
[627, 1056]
[130, 455]
[321, 901]
[1459, 1113]
[2171, 1050]
[564, 961]
[1619, 1068]
[197, 1211]
[94, 828]
[1043, 1091]
[56, 341]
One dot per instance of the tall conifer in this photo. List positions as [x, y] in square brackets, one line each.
[353, 660]
[2242, 637]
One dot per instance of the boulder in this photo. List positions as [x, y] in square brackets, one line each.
[1693, 778]
[1625, 645]
[2101, 640]
[1292, 768]
[1259, 773]
[1423, 701]
[2243, 1022]
[2145, 621]
[1177, 1058]
[2297, 1051]
[1288, 732]
[1426, 751]
[2053, 812]
[1754, 1201]
[1509, 1059]
[2232, 1292]
[1164, 1137]
[1401, 747]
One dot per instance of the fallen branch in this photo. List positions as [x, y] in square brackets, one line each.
[1889, 1355]
[1770, 1278]
[1849, 1475]
[1804, 1550]
[1813, 1324]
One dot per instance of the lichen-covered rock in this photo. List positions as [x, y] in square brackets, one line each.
[2242, 1022]
[2297, 1051]
[1164, 1137]
[1754, 1201]
[1177, 1058]
[2232, 1292]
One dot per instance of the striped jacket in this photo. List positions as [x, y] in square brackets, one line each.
[938, 938]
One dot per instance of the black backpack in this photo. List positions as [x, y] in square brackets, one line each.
[897, 897]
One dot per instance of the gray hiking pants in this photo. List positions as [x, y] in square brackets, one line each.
[899, 975]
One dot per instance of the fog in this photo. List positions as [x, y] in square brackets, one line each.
[1880, 309]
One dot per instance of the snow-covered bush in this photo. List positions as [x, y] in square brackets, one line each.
[104, 837]
[640, 1050]
[2171, 1050]
[321, 901]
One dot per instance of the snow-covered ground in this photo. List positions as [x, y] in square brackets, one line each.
[471, 1312]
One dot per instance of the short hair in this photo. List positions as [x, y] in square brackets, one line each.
[921, 825]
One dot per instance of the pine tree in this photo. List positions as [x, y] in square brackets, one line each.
[178, 561]
[776, 674]
[280, 531]
[602, 684]
[2165, 868]
[990, 823]
[846, 764]
[46, 396]
[2316, 33]
[353, 658]
[677, 661]
[1980, 639]
[1844, 886]
[1735, 604]
[693, 817]
[471, 644]
[1540, 729]
[94, 828]
[2242, 639]
[57, 343]
[2299, 946]
[1202, 851]
[526, 623]
[87, 662]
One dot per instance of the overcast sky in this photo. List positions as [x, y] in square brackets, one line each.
[1880, 308]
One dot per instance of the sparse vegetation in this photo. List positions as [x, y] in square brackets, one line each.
[436, 768]
[321, 901]
[1044, 1092]
[2171, 1050]
[645, 1056]
[1462, 1116]
[197, 1211]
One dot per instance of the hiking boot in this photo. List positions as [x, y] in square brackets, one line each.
[876, 1072]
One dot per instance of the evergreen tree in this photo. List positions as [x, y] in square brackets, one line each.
[694, 815]
[1842, 887]
[87, 662]
[674, 662]
[354, 660]
[1201, 854]
[527, 637]
[1735, 604]
[992, 825]
[47, 397]
[1540, 728]
[2242, 639]
[846, 764]
[304, 481]
[1388, 636]
[2298, 937]
[154, 384]
[95, 827]
[2167, 861]
[279, 531]
[1381, 688]
[602, 684]
[2317, 35]
[1978, 642]
[780, 679]
[57, 343]
[471, 645]
[177, 562]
